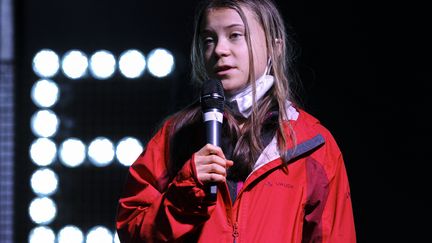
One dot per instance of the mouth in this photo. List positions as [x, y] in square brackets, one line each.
[223, 70]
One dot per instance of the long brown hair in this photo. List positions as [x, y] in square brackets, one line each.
[281, 50]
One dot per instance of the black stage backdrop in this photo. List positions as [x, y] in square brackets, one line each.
[364, 75]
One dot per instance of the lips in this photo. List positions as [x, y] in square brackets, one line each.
[223, 70]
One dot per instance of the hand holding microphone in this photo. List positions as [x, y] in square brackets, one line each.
[210, 161]
[211, 165]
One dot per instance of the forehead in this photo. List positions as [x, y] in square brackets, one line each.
[223, 16]
[215, 17]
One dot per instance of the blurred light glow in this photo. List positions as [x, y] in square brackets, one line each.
[74, 64]
[44, 182]
[43, 151]
[44, 123]
[46, 63]
[116, 238]
[102, 64]
[132, 63]
[72, 152]
[70, 234]
[99, 234]
[160, 62]
[45, 93]
[128, 150]
[42, 210]
[101, 151]
[42, 234]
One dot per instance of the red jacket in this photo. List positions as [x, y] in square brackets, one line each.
[306, 201]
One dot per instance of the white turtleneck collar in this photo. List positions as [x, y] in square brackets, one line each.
[241, 102]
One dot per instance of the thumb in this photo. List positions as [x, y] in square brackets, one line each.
[229, 163]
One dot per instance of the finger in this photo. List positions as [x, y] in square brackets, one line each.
[229, 163]
[211, 177]
[210, 159]
[212, 168]
[211, 149]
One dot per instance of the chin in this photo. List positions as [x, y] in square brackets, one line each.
[226, 85]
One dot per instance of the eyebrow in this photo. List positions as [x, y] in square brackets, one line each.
[226, 27]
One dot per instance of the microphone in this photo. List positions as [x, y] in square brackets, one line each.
[212, 104]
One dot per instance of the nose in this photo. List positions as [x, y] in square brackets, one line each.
[222, 48]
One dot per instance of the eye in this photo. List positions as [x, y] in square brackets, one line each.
[236, 35]
[208, 40]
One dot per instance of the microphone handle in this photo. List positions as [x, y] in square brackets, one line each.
[213, 134]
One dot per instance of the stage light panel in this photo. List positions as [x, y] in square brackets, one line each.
[160, 62]
[70, 234]
[74, 64]
[101, 151]
[102, 64]
[44, 182]
[45, 93]
[46, 63]
[128, 149]
[72, 152]
[41, 234]
[42, 210]
[43, 151]
[44, 123]
[132, 63]
[99, 234]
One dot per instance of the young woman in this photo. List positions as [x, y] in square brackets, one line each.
[279, 172]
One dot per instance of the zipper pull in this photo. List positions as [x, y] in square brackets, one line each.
[235, 232]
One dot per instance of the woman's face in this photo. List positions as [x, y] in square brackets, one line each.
[225, 49]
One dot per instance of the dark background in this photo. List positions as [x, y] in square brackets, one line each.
[363, 67]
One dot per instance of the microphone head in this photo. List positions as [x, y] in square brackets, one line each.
[212, 95]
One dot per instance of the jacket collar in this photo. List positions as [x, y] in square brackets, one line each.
[307, 137]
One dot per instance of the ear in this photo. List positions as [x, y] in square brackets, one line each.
[278, 46]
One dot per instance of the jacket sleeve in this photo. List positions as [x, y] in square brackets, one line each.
[338, 219]
[328, 213]
[153, 209]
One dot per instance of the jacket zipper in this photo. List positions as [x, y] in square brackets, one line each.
[235, 232]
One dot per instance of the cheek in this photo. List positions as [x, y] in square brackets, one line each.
[207, 57]
[207, 52]
[260, 61]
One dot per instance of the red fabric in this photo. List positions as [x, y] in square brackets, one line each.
[306, 201]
